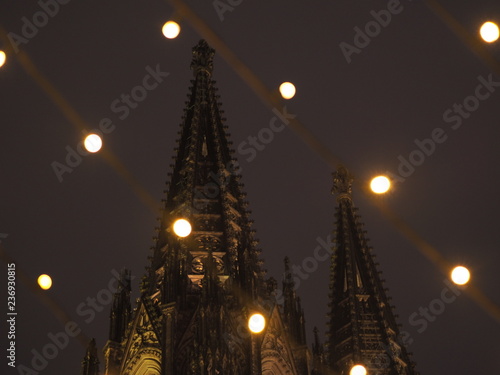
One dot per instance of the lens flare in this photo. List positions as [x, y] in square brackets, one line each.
[93, 143]
[256, 323]
[489, 32]
[287, 90]
[380, 184]
[182, 228]
[44, 281]
[3, 58]
[358, 370]
[460, 275]
[171, 29]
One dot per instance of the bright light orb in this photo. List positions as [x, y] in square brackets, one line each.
[171, 30]
[182, 228]
[3, 57]
[460, 275]
[287, 90]
[489, 32]
[93, 143]
[380, 184]
[256, 323]
[44, 281]
[358, 370]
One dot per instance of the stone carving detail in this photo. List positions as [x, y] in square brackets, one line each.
[198, 264]
[219, 263]
[208, 243]
[159, 277]
[276, 359]
[342, 182]
[207, 223]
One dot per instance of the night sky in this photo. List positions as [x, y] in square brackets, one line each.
[370, 107]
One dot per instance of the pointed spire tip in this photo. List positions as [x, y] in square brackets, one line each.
[203, 56]
[342, 183]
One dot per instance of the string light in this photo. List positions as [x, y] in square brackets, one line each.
[380, 184]
[44, 281]
[171, 29]
[182, 228]
[287, 90]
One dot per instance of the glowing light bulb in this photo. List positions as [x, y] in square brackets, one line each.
[182, 228]
[93, 143]
[171, 29]
[44, 281]
[358, 370]
[489, 32]
[380, 184]
[460, 275]
[3, 58]
[256, 323]
[287, 90]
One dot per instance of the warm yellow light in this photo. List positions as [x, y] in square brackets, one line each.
[44, 281]
[3, 57]
[171, 29]
[287, 90]
[256, 323]
[182, 228]
[460, 275]
[489, 32]
[380, 184]
[93, 143]
[358, 370]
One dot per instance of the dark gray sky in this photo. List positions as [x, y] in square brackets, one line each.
[371, 113]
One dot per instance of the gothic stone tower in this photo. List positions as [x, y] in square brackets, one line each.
[199, 291]
[362, 327]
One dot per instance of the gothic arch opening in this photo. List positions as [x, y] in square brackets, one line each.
[275, 366]
[146, 366]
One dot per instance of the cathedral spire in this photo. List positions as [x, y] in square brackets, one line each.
[203, 58]
[121, 309]
[205, 189]
[90, 363]
[205, 280]
[292, 309]
[362, 326]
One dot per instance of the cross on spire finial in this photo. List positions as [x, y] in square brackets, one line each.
[203, 58]
[342, 183]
